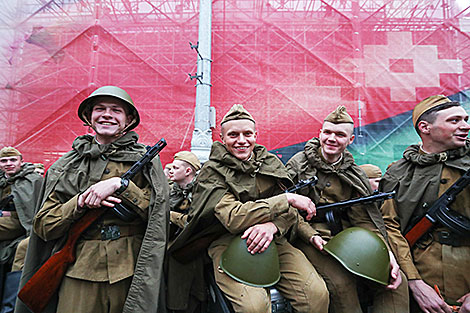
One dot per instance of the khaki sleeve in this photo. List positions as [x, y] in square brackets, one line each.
[138, 199]
[305, 231]
[179, 219]
[398, 243]
[54, 218]
[237, 216]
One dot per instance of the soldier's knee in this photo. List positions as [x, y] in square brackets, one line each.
[318, 297]
[255, 301]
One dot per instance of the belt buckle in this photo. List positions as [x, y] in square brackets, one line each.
[110, 232]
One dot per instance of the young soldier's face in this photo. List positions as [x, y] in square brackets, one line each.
[179, 171]
[450, 129]
[334, 138]
[109, 118]
[239, 137]
[11, 165]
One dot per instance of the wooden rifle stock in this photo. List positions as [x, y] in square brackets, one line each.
[439, 212]
[40, 288]
[418, 230]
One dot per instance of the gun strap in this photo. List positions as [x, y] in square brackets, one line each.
[446, 237]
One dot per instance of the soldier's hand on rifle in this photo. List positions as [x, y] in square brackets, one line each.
[302, 203]
[259, 236]
[317, 242]
[100, 194]
[395, 277]
[427, 298]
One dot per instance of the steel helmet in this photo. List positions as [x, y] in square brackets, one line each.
[361, 252]
[257, 270]
[110, 91]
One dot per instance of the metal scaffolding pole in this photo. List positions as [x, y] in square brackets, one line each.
[204, 117]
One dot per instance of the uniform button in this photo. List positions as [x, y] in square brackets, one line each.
[443, 181]
[107, 171]
[135, 200]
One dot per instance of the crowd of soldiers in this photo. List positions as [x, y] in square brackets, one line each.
[182, 219]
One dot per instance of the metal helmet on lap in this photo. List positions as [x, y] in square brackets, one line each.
[258, 270]
[84, 110]
[361, 252]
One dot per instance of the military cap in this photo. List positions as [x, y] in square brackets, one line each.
[108, 91]
[372, 171]
[237, 112]
[427, 104]
[8, 152]
[190, 158]
[339, 116]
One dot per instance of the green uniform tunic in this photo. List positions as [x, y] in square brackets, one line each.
[24, 186]
[128, 268]
[232, 195]
[337, 182]
[419, 179]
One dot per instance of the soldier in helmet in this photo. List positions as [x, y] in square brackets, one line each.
[118, 266]
[339, 178]
[441, 258]
[239, 192]
[19, 191]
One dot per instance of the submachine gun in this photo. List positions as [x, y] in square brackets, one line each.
[328, 213]
[440, 212]
[40, 288]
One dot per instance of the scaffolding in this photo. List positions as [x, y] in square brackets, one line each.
[287, 62]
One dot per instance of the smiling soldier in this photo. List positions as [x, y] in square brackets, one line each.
[119, 262]
[339, 178]
[441, 258]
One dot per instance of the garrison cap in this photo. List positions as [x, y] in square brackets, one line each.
[427, 104]
[339, 116]
[190, 158]
[372, 171]
[237, 112]
[8, 152]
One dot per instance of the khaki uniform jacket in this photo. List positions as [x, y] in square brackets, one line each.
[25, 187]
[342, 181]
[249, 190]
[419, 179]
[85, 165]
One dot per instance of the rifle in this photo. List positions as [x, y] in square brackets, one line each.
[40, 288]
[187, 253]
[327, 212]
[440, 212]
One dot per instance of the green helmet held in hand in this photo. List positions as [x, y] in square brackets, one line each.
[84, 110]
[361, 252]
[257, 270]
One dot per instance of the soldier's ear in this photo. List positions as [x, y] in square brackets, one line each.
[424, 127]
